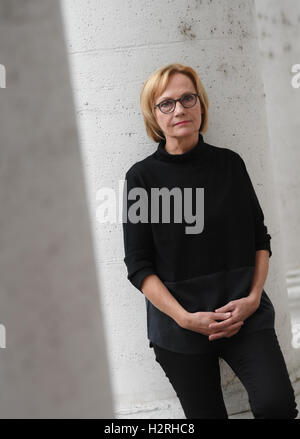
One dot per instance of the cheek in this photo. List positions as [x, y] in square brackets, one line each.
[167, 123]
[160, 121]
[199, 116]
[164, 123]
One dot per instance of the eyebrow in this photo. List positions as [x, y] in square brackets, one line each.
[167, 97]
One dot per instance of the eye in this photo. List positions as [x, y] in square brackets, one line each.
[188, 98]
[166, 104]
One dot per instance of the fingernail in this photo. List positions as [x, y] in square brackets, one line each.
[228, 313]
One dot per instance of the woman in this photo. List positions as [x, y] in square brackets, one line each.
[203, 283]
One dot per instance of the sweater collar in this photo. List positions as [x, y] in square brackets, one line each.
[197, 152]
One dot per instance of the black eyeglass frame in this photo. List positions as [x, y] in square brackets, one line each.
[175, 101]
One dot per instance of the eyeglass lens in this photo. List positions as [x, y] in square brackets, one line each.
[187, 101]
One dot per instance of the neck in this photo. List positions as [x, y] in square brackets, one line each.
[175, 145]
[197, 152]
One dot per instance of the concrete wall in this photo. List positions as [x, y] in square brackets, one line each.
[279, 31]
[54, 364]
[113, 47]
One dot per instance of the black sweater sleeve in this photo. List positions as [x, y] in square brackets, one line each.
[138, 240]
[262, 237]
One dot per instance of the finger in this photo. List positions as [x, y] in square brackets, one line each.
[220, 316]
[228, 307]
[221, 325]
[215, 336]
[232, 333]
[218, 326]
[221, 334]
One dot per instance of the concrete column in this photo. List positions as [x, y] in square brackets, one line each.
[113, 47]
[54, 364]
[279, 31]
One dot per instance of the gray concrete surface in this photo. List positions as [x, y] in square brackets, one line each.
[113, 47]
[54, 364]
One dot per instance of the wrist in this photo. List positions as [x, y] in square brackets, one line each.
[254, 299]
[183, 319]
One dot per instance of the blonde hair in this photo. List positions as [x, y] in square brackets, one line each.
[156, 84]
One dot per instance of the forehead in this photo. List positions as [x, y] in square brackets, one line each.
[177, 85]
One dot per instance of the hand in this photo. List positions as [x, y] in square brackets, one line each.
[240, 310]
[200, 322]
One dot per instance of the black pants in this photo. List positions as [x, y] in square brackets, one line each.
[255, 358]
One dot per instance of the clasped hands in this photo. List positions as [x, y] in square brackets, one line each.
[231, 316]
[238, 311]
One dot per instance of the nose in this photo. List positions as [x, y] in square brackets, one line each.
[179, 108]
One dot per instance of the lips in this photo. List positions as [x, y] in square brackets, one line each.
[182, 122]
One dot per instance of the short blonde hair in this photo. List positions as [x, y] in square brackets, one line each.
[156, 84]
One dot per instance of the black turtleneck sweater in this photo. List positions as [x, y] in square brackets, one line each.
[213, 263]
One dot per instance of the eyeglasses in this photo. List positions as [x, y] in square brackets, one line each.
[168, 106]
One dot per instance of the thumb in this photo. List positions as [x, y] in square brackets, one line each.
[225, 308]
[222, 315]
